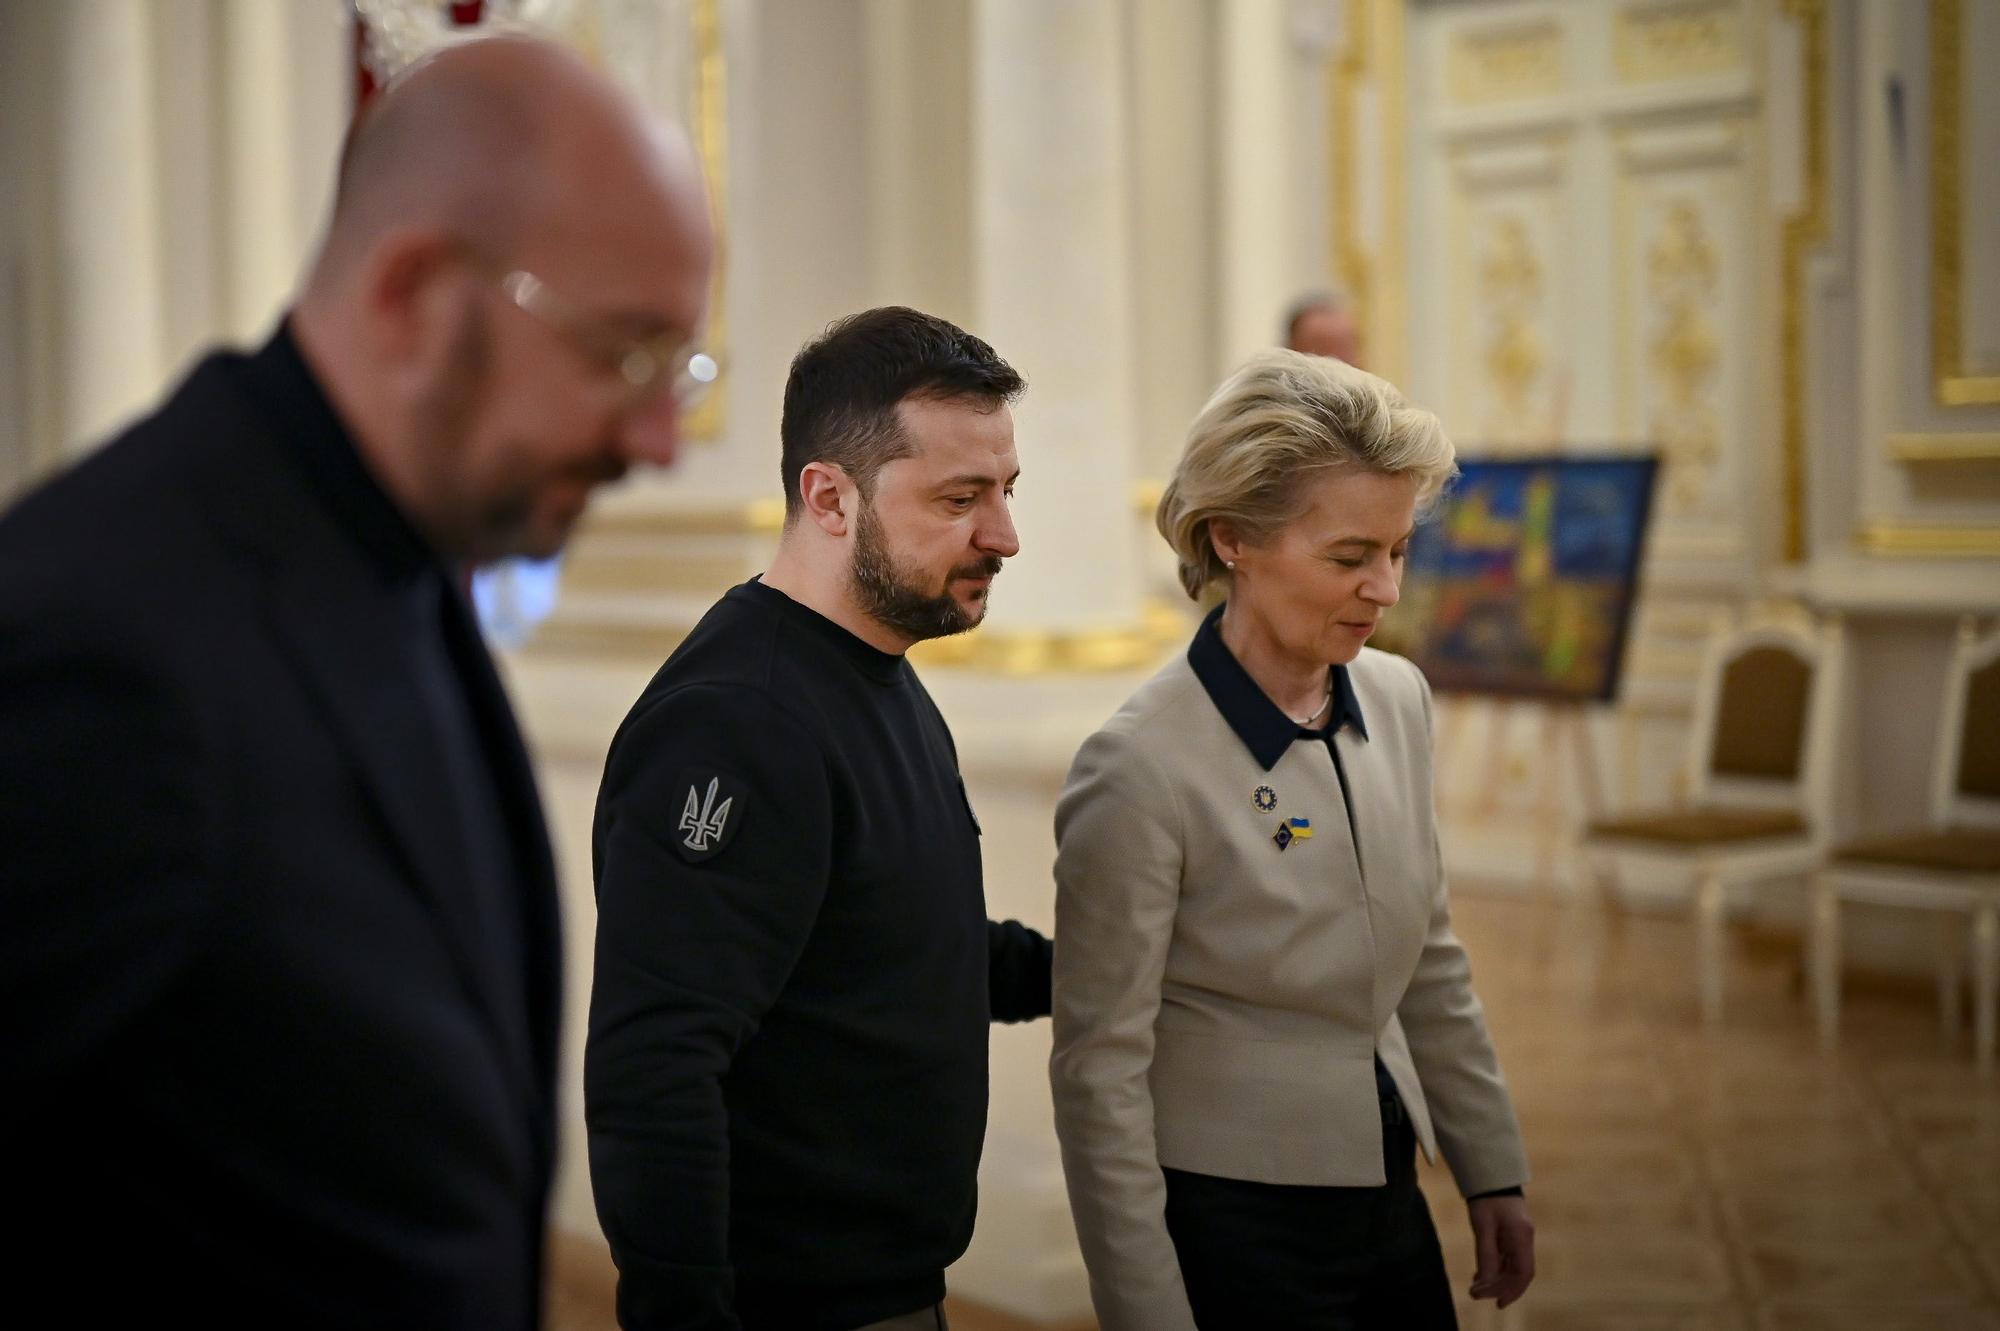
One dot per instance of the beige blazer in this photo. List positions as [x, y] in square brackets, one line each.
[1219, 1000]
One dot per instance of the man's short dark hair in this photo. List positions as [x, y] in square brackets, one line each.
[840, 401]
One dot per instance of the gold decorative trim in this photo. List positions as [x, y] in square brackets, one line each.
[1921, 448]
[649, 572]
[1146, 495]
[1372, 52]
[1504, 63]
[1957, 385]
[1510, 271]
[710, 132]
[595, 641]
[1683, 269]
[1688, 40]
[1392, 317]
[1803, 230]
[756, 517]
[1349, 261]
[1161, 628]
[1928, 542]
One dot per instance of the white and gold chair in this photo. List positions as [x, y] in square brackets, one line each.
[1759, 780]
[1950, 866]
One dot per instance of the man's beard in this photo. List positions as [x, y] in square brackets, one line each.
[443, 416]
[497, 510]
[896, 599]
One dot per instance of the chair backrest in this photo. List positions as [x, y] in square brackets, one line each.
[1965, 785]
[1766, 713]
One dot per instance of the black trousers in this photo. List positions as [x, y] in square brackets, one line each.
[1273, 1256]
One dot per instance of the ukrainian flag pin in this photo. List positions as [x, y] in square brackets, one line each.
[1292, 829]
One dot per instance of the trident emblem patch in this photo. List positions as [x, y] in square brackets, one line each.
[710, 814]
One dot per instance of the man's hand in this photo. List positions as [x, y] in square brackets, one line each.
[1504, 1238]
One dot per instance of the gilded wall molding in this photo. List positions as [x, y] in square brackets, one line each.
[1929, 541]
[1349, 260]
[727, 518]
[1683, 269]
[709, 128]
[1504, 63]
[1514, 352]
[1956, 384]
[1162, 627]
[1146, 495]
[1024, 654]
[1944, 448]
[1687, 39]
[1803, 231]
[1371, 56]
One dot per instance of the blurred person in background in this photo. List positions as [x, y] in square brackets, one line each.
[1323, 324]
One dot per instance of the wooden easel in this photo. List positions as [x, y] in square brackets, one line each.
[1565, 731]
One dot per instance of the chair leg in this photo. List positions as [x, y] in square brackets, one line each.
[1985, 982]
[1826, 961]
[1708, 944]
[1951, 976]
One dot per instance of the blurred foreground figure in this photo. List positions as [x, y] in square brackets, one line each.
[279, 954]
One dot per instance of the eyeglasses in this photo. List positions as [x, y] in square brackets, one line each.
[643, 365]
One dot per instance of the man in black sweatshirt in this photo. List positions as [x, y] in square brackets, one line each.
[785, 1080]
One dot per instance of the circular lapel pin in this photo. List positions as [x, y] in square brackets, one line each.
[1265, 798]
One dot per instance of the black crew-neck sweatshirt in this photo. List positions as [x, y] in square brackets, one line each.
[786, 1075]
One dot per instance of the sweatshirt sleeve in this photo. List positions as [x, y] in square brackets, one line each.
[713, 847]
[1018, 961]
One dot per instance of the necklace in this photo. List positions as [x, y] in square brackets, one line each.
[1309, 717]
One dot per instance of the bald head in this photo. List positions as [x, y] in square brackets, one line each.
[511, 235]
[485, 139]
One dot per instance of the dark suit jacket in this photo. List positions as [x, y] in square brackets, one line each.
[258, 1061]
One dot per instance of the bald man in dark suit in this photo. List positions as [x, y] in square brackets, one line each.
[279, 948]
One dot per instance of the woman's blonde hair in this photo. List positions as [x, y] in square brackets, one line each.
[1276, 423]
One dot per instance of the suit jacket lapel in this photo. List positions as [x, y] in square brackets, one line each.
[521, 808]
[345, 634]
[345, 638]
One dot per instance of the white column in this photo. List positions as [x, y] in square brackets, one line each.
[194, 148]
[288, 85]
[1053, 295]
[112, 329]
[1255, 175]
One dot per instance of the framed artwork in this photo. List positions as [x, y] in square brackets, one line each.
[1520, 582]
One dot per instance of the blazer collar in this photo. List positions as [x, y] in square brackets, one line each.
[1265, 730]
[306, 422]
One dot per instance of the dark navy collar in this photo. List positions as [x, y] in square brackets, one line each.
[1265, 730]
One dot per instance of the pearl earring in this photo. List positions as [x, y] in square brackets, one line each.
[1229, 564]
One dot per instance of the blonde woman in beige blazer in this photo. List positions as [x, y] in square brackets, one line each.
[1261, 1011]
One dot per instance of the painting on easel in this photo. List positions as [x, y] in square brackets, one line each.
[1520, 582]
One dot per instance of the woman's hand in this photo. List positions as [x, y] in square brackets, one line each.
[1504, 1238]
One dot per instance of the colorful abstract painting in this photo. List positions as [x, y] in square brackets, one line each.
[1521, 581]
